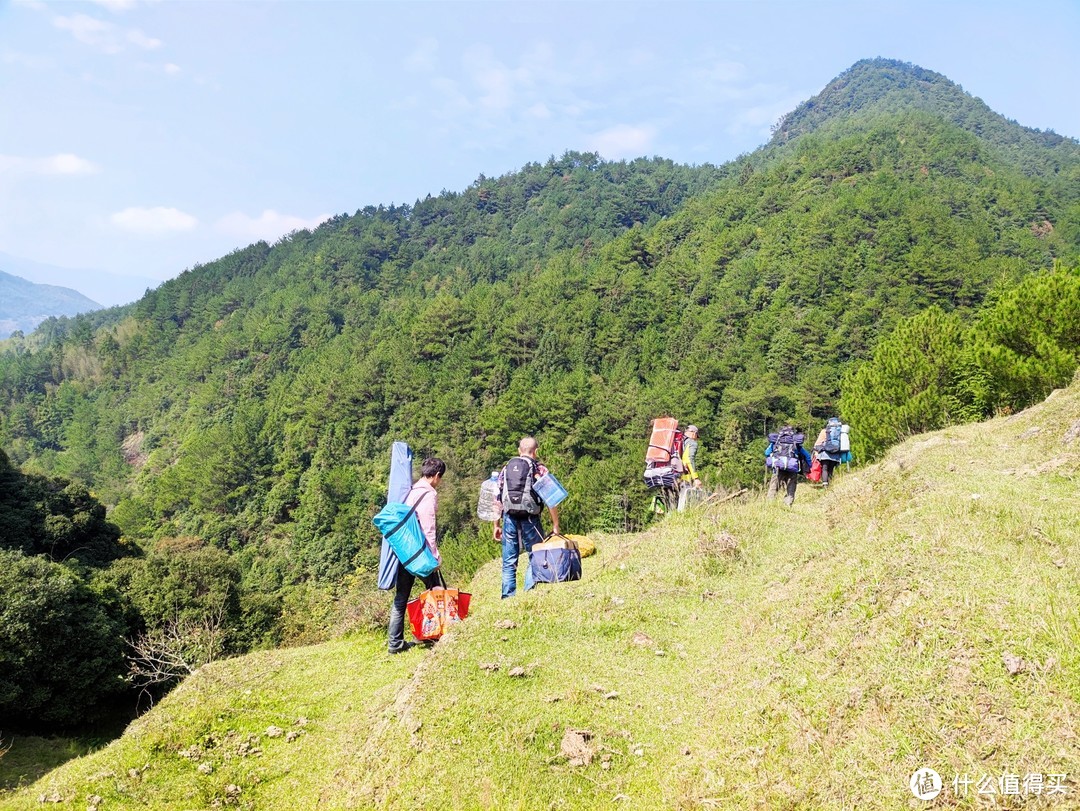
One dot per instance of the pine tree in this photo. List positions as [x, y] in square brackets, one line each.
[912, 383]
[1028, 343]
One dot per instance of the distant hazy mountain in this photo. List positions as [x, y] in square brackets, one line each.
[24, 305]
[108, 288]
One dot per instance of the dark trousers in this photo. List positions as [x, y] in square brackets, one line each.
[827, 468]
[403, 590]
[787, 479]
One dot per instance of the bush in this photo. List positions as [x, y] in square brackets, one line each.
[182, 581]
[61, 653]
[51, 516]
[914, 382]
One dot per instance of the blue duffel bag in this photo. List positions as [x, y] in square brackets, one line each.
[401, 530]
[556, 560]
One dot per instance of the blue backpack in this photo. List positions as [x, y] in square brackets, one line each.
[832, 436]
[401, 530]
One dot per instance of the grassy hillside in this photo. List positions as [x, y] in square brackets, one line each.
[922, 612]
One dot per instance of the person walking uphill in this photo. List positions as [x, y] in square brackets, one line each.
[520, 507]
[424, 497]
[787, 458]
[689, 479]
[828, 450]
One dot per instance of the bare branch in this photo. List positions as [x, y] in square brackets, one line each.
[177, 649]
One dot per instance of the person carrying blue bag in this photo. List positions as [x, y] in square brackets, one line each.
[409, 530]
[520, 507]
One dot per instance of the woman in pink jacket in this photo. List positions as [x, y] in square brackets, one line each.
[426, 500]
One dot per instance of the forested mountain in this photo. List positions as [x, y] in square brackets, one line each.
[884, 86]
[24, 305]
[249, 404]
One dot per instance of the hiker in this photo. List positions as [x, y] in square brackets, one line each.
[689, 479]
[664, 464]
[666, 499]
[787, 458]
[424, 497]
[827, 449]
[520, 507]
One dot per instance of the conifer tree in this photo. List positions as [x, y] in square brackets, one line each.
[1028, 343]
[912, 383]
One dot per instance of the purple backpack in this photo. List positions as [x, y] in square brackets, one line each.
[785, 450]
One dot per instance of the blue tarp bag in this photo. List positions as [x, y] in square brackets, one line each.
[832, 436]
[398, 488]
[556, 560]
[401, 530]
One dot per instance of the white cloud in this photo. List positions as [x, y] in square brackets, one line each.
[68, 164]
[90, 31]
[269, 225]
[116, 5]
[136, 37]
[104, 36]
[760, 118]
[623, 141]
[482, 93]
[171, 69]
[498, 86]
[424, 56]
[538, 111]
[154, 222]
[710, 81]
[62, 164]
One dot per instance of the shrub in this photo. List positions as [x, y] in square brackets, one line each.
[61, 653]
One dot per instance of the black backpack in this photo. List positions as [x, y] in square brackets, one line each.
[518, 496]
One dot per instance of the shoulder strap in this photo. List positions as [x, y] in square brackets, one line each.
[534, 467]
[408, 515]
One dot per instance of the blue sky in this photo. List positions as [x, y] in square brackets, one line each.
[140, 138]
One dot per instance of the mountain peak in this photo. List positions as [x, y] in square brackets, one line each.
[891, 86]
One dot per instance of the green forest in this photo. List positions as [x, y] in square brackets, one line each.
[196, 472]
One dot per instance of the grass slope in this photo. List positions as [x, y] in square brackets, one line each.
[922, 612]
